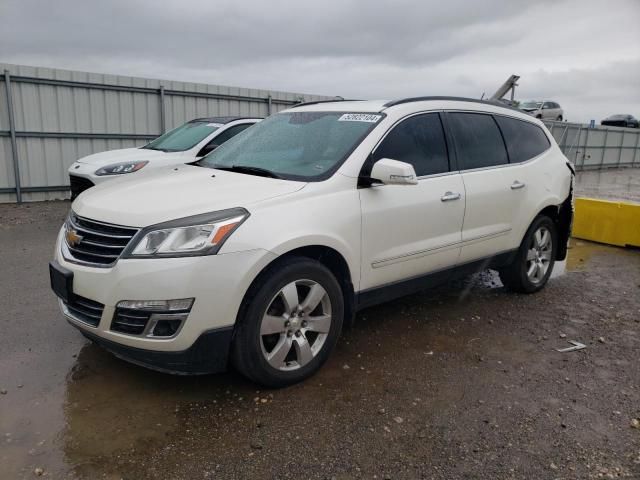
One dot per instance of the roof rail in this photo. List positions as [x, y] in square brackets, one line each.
[455, 99]
[337, 99]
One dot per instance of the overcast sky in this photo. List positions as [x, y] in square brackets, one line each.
[584, 54]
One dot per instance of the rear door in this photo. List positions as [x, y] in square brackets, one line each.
[412, 230]
[492, 191]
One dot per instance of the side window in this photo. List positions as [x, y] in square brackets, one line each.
[477, 139]
[223, 137]
[229, 133]
[524, 140]
[420, 141]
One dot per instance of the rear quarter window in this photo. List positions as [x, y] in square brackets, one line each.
[524, 140]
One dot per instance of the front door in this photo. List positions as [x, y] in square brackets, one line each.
[411, 230]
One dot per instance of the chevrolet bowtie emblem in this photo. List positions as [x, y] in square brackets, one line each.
[73, 238]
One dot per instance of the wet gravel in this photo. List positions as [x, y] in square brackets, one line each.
[462, 382]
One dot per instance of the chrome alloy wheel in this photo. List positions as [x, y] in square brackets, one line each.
[539, 255]
[296, 325]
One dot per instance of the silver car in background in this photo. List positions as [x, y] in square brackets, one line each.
[546, 110]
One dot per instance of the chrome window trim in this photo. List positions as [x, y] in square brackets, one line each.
[492, 167]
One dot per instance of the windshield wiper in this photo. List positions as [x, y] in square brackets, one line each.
[262, 172]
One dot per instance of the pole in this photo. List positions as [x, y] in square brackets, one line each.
[163, 127]
[269, 106]
[12, 132]
[621, 145]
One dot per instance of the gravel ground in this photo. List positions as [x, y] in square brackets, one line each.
[462, 382]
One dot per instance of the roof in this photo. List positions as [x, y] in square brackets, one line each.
[341, 106]
[380, 105]
[222, 120]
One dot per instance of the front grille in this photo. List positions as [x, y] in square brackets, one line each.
[79, 185]
[85, 310]
[131, 321]
[95, 242]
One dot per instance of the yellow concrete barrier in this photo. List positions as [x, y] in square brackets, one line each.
[604, 221]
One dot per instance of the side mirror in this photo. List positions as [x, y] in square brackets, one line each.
[394, 172]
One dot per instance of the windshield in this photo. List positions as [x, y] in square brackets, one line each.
[184, 137]
[295, 145]
[530, 104]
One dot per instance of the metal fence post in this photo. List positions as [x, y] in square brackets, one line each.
[584, 149]
[620, 152]
[604, 147]
[635, 150]
[163, 127]
[12, 133]
[269, 99]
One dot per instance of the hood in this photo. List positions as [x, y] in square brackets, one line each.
[175, 192]
[123, 155]
[529, 109]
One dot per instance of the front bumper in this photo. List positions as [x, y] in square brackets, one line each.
[216, 282]
[208, 354]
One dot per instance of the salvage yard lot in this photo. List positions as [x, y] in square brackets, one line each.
[459, 382]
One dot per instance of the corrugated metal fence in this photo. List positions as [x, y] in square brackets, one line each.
[597, 147]
[50, 117]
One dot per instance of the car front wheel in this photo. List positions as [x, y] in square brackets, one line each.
[289, 323]
[533, 264]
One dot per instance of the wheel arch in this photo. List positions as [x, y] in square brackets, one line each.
[327, 256]
[562, 216]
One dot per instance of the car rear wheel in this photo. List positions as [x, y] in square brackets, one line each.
[289, 323]
[559, 118]
[533, 264]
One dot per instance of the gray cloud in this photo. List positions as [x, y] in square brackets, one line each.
[582, 53]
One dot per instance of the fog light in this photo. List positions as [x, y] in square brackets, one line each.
[165, 325]
[166, 328]
[158, 305]
[161, 319]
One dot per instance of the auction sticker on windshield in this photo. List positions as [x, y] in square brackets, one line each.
[359, 117]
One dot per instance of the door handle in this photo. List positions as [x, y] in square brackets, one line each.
[447, 197]
[517, 185]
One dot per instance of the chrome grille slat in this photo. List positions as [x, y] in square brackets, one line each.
[92, 253]
[91, 307]
[96, 232]
[100, 244]
[86, 314]
[85, 310]
[133, 317]
[126, 322]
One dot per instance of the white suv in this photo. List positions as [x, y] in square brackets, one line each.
[543, 110]
[260, 253]
[187, 143]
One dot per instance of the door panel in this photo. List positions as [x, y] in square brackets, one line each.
[493, 197]
[486, 174]
[408, 230]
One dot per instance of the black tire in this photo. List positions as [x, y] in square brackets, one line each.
[515, 276]
[559, 119]
[248, 344]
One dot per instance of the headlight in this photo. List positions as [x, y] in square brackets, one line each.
[198, 235]
[120, 168]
